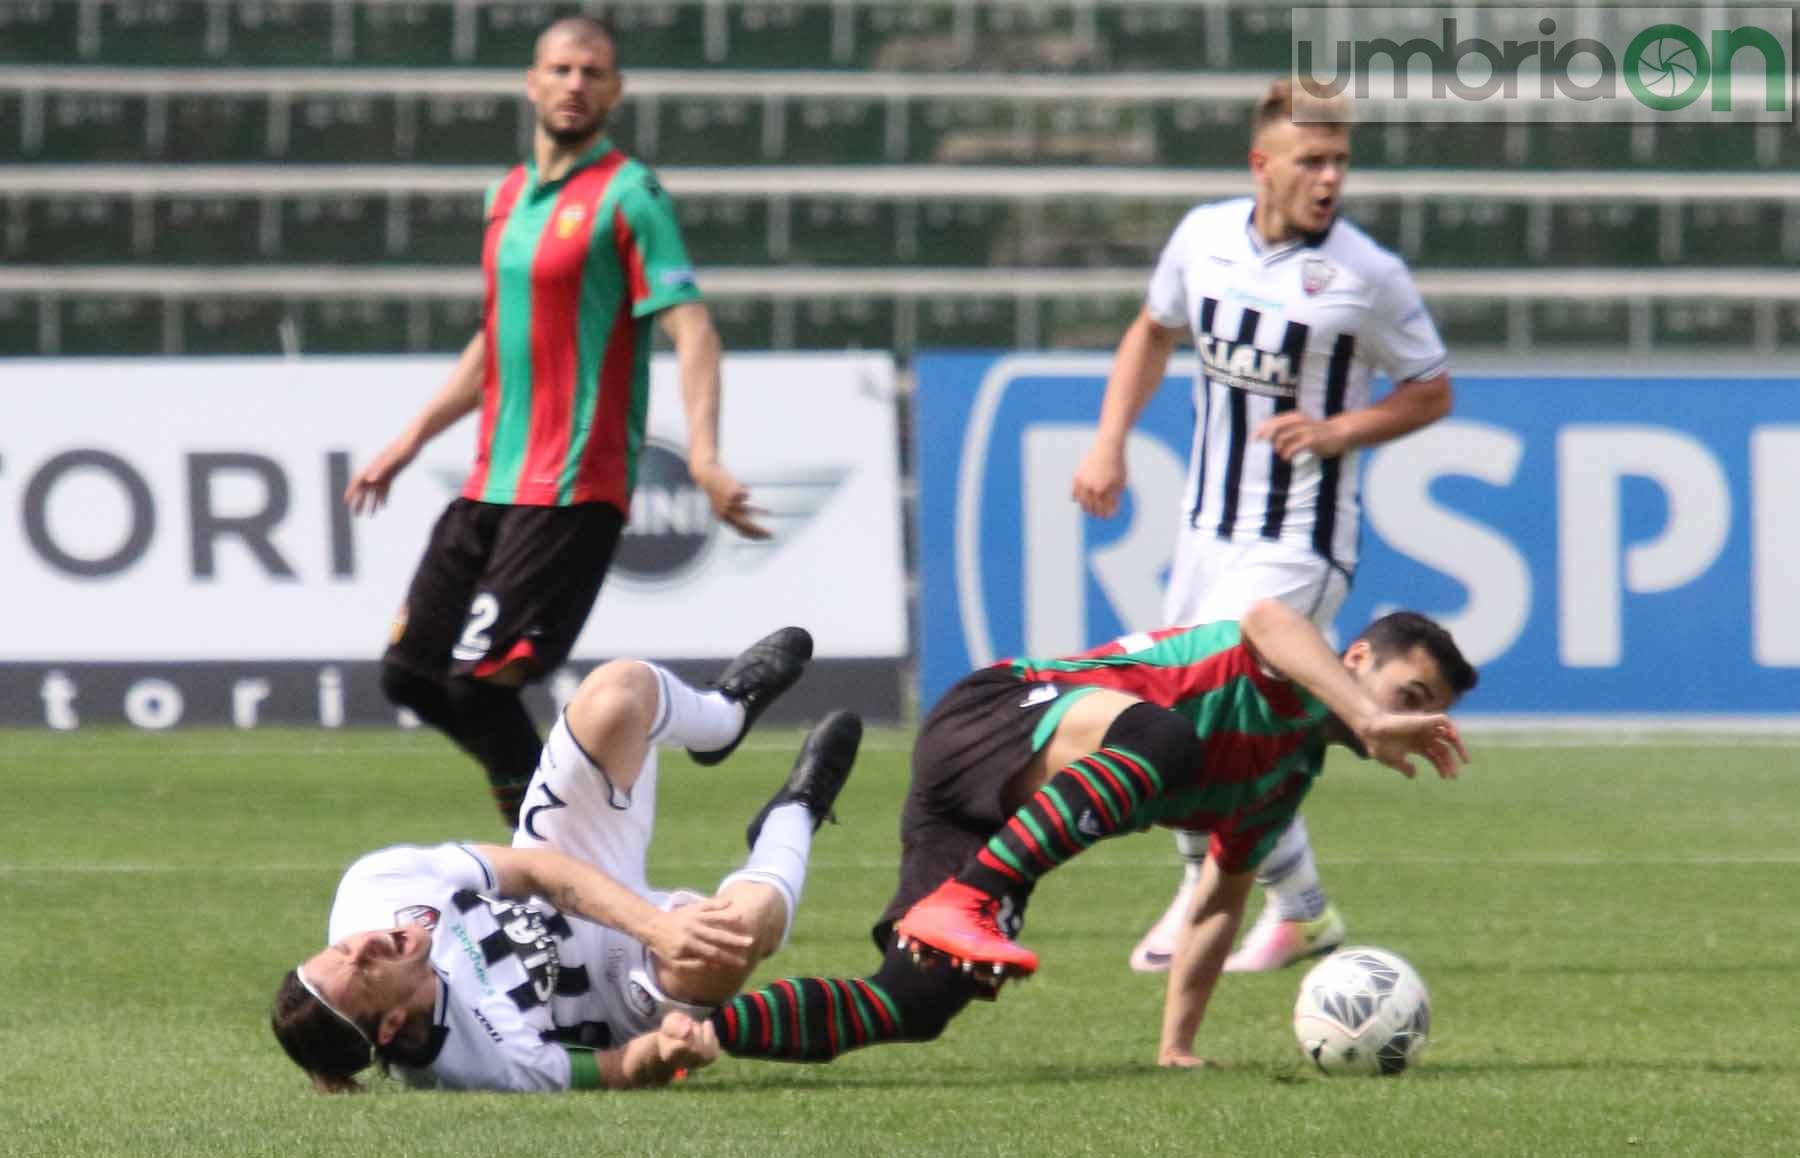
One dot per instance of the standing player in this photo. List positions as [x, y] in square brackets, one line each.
[1293, 311]
[1023, 765]
[582, 251]
[553, 965]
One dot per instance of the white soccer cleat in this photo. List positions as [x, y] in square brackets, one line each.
[1273, 943]
[1157, 948]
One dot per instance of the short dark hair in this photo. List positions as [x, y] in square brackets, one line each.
[1279, 103]
[1396, 634]
[317, 1039]
[583, 24]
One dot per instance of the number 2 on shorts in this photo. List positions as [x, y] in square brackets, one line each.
[475, 641]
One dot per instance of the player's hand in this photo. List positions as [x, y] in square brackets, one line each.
[1099, 481]
[730, 500]
[368, 490]
[708, 933]
[1293, 434]
[1185, 1059]
[685, 1044]
[1394, 738]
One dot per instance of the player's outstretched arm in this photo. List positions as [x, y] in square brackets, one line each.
[461, 393]
[1138, 368]
[1287, 642]
[1201, 947]
[653, 1059]
[706, 934]
[699, 353]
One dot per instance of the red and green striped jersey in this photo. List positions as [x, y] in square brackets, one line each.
[576, 270]
[1263, 736]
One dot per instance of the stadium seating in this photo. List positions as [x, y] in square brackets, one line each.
[262, 175]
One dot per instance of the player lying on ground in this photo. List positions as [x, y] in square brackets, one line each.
[553, 965]
[1221, 727]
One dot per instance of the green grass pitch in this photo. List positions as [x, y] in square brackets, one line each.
[1610, 936]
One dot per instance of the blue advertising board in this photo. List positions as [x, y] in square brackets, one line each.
[1601, 546]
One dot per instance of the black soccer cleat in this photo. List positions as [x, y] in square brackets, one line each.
[759, 674]
[826, 756]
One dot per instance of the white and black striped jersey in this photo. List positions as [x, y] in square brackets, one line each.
[525, 994]
[1303, 325]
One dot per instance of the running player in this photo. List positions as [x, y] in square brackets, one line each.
[553, 965]
[582, 251]
[1293, 311]
[1219, 728]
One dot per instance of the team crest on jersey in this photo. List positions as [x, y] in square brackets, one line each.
[422, 915]
[569, 219]
[1315, 274]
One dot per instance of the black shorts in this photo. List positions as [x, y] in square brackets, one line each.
[971, 745]
[498, 582]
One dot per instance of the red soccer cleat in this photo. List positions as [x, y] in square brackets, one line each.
[959, 922]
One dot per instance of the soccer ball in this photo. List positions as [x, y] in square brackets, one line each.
[1362, 1011]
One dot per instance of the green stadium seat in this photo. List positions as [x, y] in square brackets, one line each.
[12, 128]
[1086, 233]
[1091, 132]
[352, 325]
[470, 130]
[443, 229]
[1708, 145]
[348, 228]
[621, 127]
[1580, 323]
[1464, 323]
[706, 130]
[912, 37]
[88, 229]
[835, 131]
[1192, 134]
[217, 128]
[163, 33]
[1446, 145]
[19, 325]
[451, 322]
[1787, 326]
[93, 127]
[661, 35]
[405, 33]
[506, 31]
[1728, 233]
[1379, 217]
[1474, 234]
[964, 231]
[1151, 37]
[1581, 146]
[1711, 323]
[1086, 322]
[844, 324]
[1606, 233]
[842, 231]
[760, 34]
[1259, 37]
[725, 231]
[283, 33]
[206, 229]
[968, 323]
[90, 325]
[235, 325]
[1028, 36]
[975, 131]
[743, 323]
[342, 129]
[39, 31]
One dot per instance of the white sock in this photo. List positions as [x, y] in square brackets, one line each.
[778, 858]
[702, 720]
[1192, 846]
[1290, 876]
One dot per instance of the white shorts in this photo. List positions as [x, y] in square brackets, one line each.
[572, 808]
[1213, 580]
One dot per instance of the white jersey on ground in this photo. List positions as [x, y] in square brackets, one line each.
[525, 994]
[1303, 325]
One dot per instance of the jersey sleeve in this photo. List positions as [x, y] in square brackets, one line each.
[406, 883]
[1167, 299]
[658, 272]
[1403, 339]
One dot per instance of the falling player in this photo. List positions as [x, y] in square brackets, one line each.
[1293, 310]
